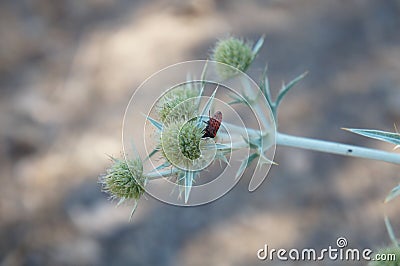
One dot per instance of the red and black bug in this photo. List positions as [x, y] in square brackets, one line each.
[213, 125]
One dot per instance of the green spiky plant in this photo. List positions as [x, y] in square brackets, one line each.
[179, 125]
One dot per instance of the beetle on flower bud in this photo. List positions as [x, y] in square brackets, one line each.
[213, 125]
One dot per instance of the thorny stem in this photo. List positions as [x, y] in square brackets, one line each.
[336, 148]
[303, 143]
[324, 146]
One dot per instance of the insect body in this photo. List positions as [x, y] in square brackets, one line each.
[213, 125]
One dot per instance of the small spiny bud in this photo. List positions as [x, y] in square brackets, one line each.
[178, 103]
[124, 180]
[235, 53]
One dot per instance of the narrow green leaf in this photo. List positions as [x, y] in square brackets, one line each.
[286, 88]
[265, 160]
[247, 93]
[203, 83]
[152, 153]
[254, 143]
[258, 45]
[257, 180]
[160, 167]
[238, 100]
[198, 100]
[235, 99]
[264, 86]
[235, 102]
[245, 163]
[133, 210]
[203, 75]
[134, 150]
[222, 158]
[377, 134]
[206, 108]
[166, 173]
[121, 200]
[164, 165]
[181, 182]
[393, 194]
[155, 123]
[188, 178]
[391, 232]
[181, 179]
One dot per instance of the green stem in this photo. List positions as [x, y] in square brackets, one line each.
[242, 131]
[159, 174]
[303, 143]
[336, 148]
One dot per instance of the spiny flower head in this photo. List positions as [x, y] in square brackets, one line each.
[234, 52]
[189, 139]
[124, 180]
[181, 144]
[179, 103]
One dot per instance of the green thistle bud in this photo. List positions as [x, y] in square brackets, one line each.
[387, 251]
[124, 179]
[233, 52]
[181, 145]
[189, 140]
[178, 104]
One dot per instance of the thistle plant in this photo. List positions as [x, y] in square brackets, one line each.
[124, 181]
[181, 154]
[233, 52]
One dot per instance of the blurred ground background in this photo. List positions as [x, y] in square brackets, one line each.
[67, 69]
